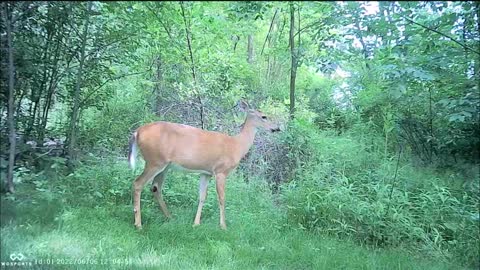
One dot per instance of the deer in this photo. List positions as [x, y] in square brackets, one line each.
[165, 144]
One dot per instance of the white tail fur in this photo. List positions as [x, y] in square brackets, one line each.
[132, 155]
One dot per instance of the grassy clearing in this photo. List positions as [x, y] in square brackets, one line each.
[47, 226]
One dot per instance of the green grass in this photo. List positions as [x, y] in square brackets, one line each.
[46, 225]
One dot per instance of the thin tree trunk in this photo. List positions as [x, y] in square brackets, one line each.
[299, 53]
[269, 30]
[50, 92]
[159, 86]
[56, 78]
[364, 46]
[11, 101]
[273, 67]
[431, 122]
[476, 64]
[293, 69]
[36, 96]
[268, 69]
[46, 65]
[298, 14]
[235, 40]
[385, 16]
[76, 99]
[33, 113]
[187, 33]
[250, 49]
[19, 101]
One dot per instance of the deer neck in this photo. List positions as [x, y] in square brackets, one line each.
[246, 136]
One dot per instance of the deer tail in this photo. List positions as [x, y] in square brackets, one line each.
[132, 150]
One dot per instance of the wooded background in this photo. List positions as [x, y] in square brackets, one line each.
[378, 101]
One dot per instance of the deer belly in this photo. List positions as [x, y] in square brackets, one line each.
[179, 167]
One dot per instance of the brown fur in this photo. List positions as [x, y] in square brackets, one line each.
[208, 152]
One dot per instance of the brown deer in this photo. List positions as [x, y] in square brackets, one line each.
[209, 153]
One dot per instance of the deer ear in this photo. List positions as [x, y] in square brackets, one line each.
[243, 105]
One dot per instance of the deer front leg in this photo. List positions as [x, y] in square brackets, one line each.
[220, 181]
[202, 195]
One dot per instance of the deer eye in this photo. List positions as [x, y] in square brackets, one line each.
[264, 117]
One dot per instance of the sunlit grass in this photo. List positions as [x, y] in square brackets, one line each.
[69, 236]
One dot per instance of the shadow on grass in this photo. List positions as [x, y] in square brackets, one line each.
[18, 210]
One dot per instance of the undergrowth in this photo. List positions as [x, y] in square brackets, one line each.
[346, 188]
[85, 221]
[343, 207]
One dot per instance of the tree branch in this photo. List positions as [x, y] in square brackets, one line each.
[307, 26]
[170, 36]
[161, 22]
[105, 46]
[442, 34]
[86, 99]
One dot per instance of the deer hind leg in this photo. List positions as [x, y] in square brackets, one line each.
[202, 195]
[148, 174]
[157, 192]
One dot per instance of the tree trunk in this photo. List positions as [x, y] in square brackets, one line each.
[194, 75]
[159, 86]
[269, 31]
[430, 121]
[268, 40]
[250, 49]
[235, 39]
[476, 63]
[384, 10]
[360, 35]
[76, 99]
[37, 94]
[50, 91]
[293, 70]
[11, 101]
[19, 101]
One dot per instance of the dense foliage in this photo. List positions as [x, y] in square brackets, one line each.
[379, 104]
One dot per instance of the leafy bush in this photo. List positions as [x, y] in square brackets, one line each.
[342, 189]
[110, 127]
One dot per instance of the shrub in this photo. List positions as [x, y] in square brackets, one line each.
[342, 189]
